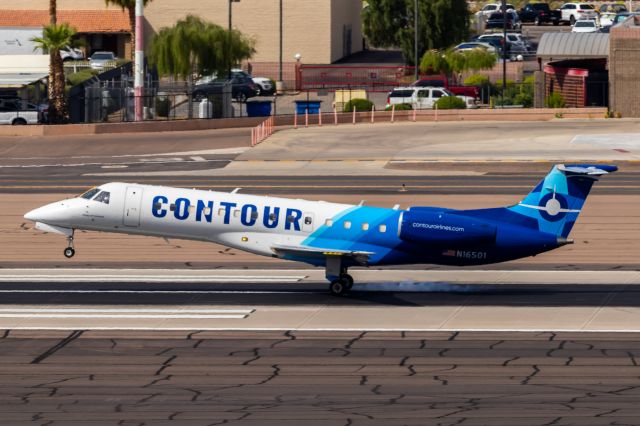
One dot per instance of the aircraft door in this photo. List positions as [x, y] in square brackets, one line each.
[132, 202]
[307, 222]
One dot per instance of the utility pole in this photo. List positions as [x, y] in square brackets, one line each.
[138, 68]
[280, 60]
[505, 45]
[415, 41]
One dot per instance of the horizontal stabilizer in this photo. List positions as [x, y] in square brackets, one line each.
[587, 169]
[315, 252]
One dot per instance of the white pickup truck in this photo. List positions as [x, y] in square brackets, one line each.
[572, 12]
[10, 115]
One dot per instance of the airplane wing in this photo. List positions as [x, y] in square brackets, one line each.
[316, 253]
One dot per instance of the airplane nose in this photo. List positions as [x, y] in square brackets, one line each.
[33, 215]
[52, 214]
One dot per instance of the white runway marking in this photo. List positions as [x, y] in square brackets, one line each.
[150, 278]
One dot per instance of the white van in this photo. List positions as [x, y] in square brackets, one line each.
[423, 97]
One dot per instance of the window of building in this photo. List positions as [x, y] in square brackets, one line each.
[382, 228]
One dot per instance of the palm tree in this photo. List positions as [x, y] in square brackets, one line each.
[53, 11]
[55, 37]
[130, 6]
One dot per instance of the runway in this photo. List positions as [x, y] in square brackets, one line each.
[283, 300]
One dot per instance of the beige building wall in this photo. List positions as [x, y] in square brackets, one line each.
[313, 28]
[624, 69]
[345, 21]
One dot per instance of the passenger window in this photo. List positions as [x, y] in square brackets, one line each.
[236, 213]
[382, 228]
[254, 215]
[172, 207]
[308, 220]
[272, 217]
[437, 93]
[103, 197]
[423, 94]
[365, 226]
[291, 218]
[347, 224]
[192, 208]
[220, 212]
[328, 223]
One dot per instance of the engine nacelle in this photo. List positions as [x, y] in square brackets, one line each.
[443, 228]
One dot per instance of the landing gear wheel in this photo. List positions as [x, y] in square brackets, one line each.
[69, 252]
[338, 287]
[349, 280]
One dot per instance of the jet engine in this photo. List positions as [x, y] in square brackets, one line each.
[425, 226]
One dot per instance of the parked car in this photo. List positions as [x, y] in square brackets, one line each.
[623, 16]
[584, 26]
[470, 45]
[264, 85]
[71, 54]
[496, 20]
[490, 8]
[612, 8]
[539, 13]
[99, 60]
[443, 81]
[571, 12]
[15, 116]
[242, 88]
[607, 18]
[515, 42]
[423, 97]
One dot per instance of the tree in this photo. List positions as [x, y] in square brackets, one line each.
[193, 46]
[55, 37]
[130, 6]
[196, 47]
[390, 23]
[456, 62]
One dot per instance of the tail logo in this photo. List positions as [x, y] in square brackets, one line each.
[553, 207]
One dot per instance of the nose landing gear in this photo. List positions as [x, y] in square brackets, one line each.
[69, 251]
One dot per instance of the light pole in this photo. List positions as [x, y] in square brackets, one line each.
[138, 69]
[415, 41]
[504, 49]
[280, 60]
[229, 36]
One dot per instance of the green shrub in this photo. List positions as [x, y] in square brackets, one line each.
[478, 80]
[555, 100]
[400, 107]
[450, 102]
[78, 77]
[524, 99]
[163, 105]
[359, 104]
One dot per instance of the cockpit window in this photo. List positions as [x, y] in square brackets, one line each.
[90, 193]
[103, 197]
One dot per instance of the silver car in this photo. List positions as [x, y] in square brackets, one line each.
[99, 60]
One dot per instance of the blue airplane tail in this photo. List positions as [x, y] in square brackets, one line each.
[554, 204]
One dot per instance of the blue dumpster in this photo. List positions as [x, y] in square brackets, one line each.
[258, 108]
[312, 106]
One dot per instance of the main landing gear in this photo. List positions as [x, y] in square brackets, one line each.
[69, 251]
[340, 286]
[336, 273]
